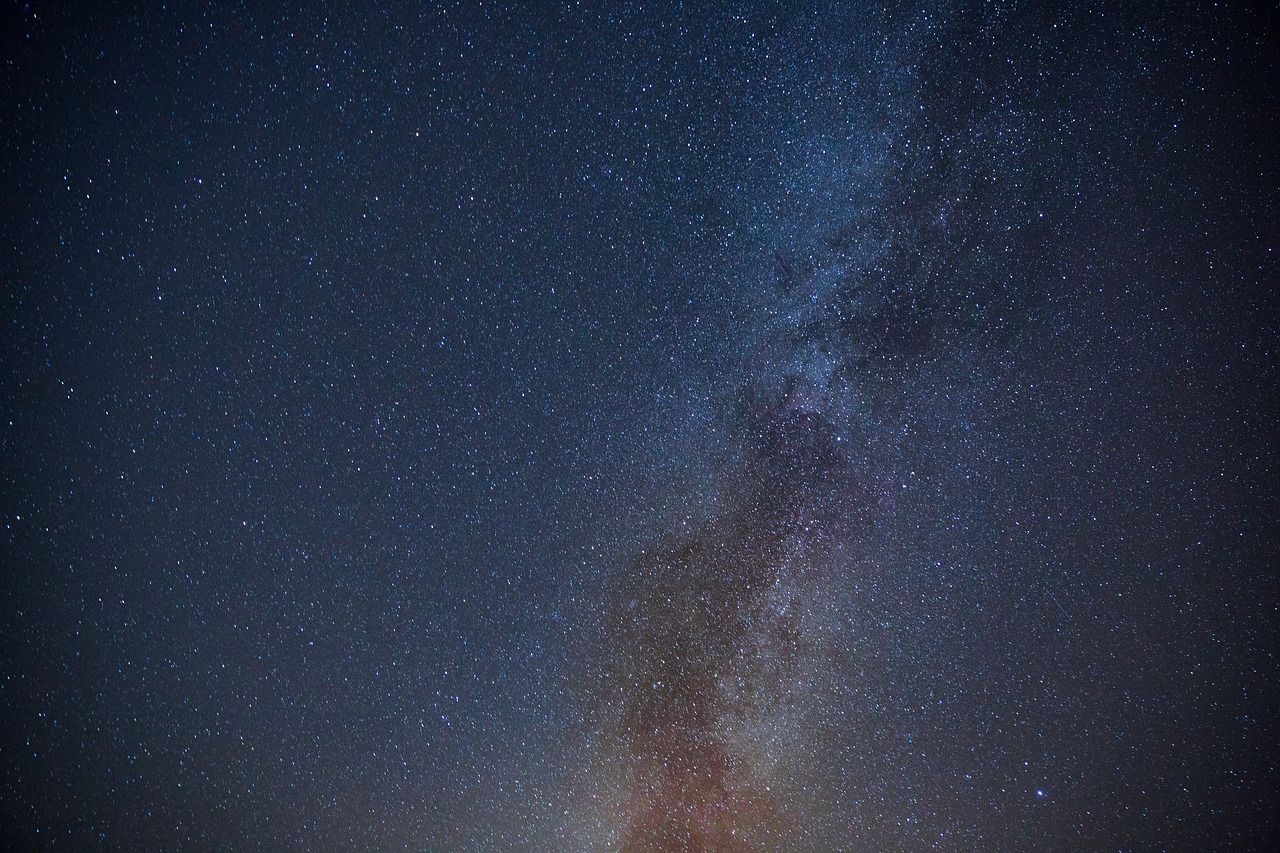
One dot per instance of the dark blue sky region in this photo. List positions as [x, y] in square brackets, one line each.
[639, 427]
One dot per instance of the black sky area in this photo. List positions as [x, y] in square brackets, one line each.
[639, 427]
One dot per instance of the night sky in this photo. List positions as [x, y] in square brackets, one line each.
[627, 427]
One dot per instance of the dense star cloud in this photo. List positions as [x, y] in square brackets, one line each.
[636, 428]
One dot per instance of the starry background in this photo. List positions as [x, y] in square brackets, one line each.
[633, 427]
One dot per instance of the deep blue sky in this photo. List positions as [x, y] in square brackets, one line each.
[645, 428]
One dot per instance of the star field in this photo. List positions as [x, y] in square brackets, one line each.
[639, 428]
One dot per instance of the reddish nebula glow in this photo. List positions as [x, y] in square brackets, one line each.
[713, 648]
[699, 650]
